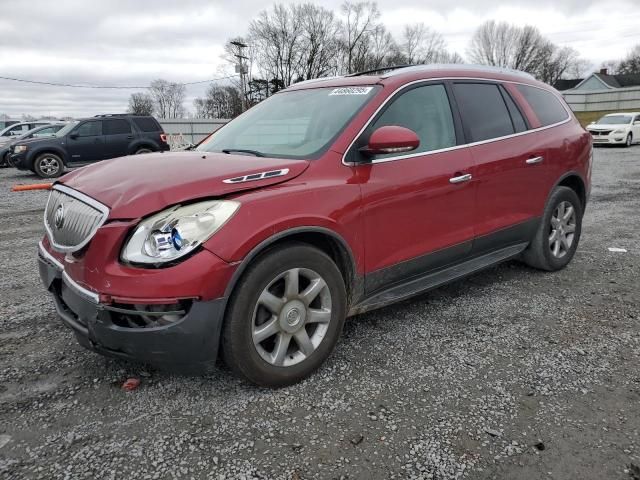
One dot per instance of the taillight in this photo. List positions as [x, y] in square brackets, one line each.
[163, 137]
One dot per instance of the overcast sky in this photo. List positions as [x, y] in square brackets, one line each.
[119, 42]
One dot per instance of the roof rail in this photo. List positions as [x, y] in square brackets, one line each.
[114, 115]
[313, 80]
[458, 66]
[379, 70]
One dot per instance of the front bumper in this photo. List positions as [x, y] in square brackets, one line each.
[188, 344]
[19, 160]
[611, 139]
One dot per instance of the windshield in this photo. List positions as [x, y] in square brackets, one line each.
[295, 124]
[66, 129]
[614, 120]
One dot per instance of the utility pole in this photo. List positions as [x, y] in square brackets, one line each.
[242, 70]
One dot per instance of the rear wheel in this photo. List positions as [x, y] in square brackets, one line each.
[142, 150]
[285, 316]
[48, 165]
[557, 237]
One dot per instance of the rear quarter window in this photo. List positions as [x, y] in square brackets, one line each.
[545, 105]
[147, 124]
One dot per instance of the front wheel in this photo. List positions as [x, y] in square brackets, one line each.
[629, 141]
[48, 165]
[285, 316]
[558, 234]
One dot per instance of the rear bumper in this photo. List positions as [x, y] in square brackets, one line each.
[188, 344]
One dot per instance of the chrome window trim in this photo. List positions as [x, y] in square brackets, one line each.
[427, 81]
[71, 283]
[84, 199]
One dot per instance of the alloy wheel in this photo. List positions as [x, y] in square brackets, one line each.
[49, 166]
[562, 229]
[291, 317]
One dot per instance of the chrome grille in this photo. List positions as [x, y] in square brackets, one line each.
[72, 219]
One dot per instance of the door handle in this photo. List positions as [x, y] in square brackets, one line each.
[534, 160]
[462, 178]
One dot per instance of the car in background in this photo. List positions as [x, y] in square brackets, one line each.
[17, 129]
[89, 140]
[38, 132]
[6, 123]
[616, 129]
[330, 198]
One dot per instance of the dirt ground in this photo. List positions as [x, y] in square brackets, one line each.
[509, 374]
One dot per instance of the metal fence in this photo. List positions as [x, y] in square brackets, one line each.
[604, 100]
[183, 131]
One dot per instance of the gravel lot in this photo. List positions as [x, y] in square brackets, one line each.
[512, 373]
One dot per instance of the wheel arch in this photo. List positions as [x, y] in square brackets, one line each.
[324, 239]
[55, 150]
[143, 143]
[574, 181]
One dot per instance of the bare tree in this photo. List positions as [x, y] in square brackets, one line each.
[219, 102]
[168, 98]
[422, 45]
[320, 44]
[141, 104]
[383, 50]
[631, 63]
[278, 38]
[360, 20]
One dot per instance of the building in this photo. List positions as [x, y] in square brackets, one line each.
[602, 93]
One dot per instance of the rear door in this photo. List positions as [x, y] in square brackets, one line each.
[86, 143]
[416, 219]
[118, 137]
[509, 168]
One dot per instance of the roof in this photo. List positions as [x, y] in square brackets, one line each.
[614, 81]
[563, 84]
[400, 75]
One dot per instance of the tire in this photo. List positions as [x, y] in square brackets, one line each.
[547, 251]
[251, 316]
[143, 150]
[4, 161]
[48, 165]
[629, 141]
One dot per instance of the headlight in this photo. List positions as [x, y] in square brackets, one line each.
[620, 130]
[20, 148]
[175, 232]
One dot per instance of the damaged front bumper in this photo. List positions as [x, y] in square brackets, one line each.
[180, 336]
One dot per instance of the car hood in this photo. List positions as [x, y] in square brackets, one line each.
[136, 186]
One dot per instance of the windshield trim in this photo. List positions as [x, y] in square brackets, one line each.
[376, 88]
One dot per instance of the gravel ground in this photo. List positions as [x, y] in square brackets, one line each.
[512, 373]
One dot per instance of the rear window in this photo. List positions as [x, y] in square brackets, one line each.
[545, 105]
[147, 124]
[116, 127]
[484, 112]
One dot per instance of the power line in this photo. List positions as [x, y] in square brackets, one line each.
[111, 87]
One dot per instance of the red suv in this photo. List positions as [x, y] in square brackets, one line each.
[331, 198]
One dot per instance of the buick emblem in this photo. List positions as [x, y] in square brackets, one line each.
[58, 218]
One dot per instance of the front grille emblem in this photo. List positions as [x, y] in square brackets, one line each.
[58, 219]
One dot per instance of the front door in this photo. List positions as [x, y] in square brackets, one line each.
[418, 207]
[86, 143]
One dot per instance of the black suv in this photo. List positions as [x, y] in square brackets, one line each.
[87, 141]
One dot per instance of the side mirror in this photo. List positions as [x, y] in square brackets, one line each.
[73, 136]
[391, 139]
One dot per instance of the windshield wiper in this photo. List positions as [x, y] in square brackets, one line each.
[255, 153]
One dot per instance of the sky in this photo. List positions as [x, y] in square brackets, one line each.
[132, 42]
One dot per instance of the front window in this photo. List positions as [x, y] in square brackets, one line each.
[294, 124]
[614, 120]
[66, 129]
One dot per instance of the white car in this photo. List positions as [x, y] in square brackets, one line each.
[616, 128]
[14, 131]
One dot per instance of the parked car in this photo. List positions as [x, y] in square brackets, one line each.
[87, 141]
[616, 129]
[329, 199]
[6, 123]
[17, 129]
[38, 132]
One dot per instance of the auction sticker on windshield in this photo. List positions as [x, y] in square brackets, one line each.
[351, 91]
